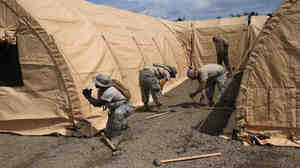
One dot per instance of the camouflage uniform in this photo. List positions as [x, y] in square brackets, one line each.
[222, 52]
[149, 80]
[214, 74]
[119, 110]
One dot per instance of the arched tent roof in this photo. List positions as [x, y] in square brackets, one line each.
[111, 37]
[62, 44]
[269, 99]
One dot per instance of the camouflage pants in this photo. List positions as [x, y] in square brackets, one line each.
[223, 58]
[211, 84]
[149, 84]
[118, 119]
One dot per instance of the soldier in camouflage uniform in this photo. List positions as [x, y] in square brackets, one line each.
[152, 80]
[110, 97]
[208, 76]
[222, 52]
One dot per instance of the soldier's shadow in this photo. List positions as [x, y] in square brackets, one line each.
[176, 98]
[218, 119]
[187, 105]
[141, 109]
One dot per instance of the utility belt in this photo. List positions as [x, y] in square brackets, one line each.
[152, 72]
[147, 69]
[216, 76]
[221, 72]
[127, 102]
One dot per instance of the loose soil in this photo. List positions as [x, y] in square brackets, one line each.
[186, 131]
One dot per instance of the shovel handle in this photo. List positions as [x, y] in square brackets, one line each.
[156, 115]
[191, 157]
[113, 147]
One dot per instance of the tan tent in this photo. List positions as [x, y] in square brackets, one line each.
[60, 46]
[196, 37]
[269, 97]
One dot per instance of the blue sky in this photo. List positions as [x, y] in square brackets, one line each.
[193, 9]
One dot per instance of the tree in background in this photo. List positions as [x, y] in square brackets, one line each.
[249, 14]
[180, 19]
[245, 14]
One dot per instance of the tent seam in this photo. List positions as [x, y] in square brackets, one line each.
[172, 32]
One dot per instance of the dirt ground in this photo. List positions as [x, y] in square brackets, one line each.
[175, 134]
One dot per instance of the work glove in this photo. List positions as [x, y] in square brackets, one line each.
[87, 92]
[229, 74]
[192, 95]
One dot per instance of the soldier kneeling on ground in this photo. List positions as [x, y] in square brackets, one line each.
[109, 96]
[208, 76]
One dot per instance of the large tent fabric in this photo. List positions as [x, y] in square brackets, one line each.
[257, 24]
[269, 97]
[196, 37]
[61, 45]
